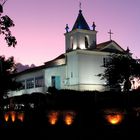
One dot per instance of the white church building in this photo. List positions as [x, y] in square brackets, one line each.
[77, 68]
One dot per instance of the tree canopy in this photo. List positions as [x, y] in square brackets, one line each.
[7, 66]
[7, 69]
[5, 24]
[120, 69]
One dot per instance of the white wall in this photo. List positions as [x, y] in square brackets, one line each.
[55, 71]
[26, 76]
[85, 66]
[90, 65]
[72, 68]
[78, 38]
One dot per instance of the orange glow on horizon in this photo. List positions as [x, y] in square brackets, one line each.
[114, 118]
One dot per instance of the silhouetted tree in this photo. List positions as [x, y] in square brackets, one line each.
[7, 82]
[7, 66]
[5, 24]
[120, 69]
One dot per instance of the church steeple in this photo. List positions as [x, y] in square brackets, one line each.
[80, 22]
[81, 36]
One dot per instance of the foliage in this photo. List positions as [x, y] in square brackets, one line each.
[5, 24]
[7, 69]
[120, 69]
[7, 66]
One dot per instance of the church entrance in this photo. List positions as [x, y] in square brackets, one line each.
[56, 82]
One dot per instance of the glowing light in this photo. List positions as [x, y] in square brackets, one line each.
[82, 46]
[20, 116]
[74, 46]
[114, 118]
[6, 117]
[53, 117]
[13, 116]
[69, 118]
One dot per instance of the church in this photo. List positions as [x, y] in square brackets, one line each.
[77, 68]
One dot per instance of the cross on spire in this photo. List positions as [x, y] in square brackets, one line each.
[110, 34]
[80, 5]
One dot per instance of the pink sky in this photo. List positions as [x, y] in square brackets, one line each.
[40, 26]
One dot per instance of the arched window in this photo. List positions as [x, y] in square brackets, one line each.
[86, 42]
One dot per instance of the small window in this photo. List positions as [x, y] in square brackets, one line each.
[53, 81]
[39, 81]
[105, 61]
[30, 83]
[71, 42]
[86, 42]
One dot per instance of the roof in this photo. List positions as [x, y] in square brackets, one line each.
[103, 44]
[30, 70]
[105, 47]
[80, 22]
[60, 60]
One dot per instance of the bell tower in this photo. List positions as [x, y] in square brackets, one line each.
[81, 36]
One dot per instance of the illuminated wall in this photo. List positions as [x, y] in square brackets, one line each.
[82, 69]
[83, 39]
[25, 77]
[58, 71]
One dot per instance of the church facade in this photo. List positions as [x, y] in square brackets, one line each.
[77, 68]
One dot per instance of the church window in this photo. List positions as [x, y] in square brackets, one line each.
[39, 81]
[86, 42]
[30, 83]
[105, 61]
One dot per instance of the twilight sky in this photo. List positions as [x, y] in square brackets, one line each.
[40, 26]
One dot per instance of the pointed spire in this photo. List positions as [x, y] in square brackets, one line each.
[80, 5]
[80, 22]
